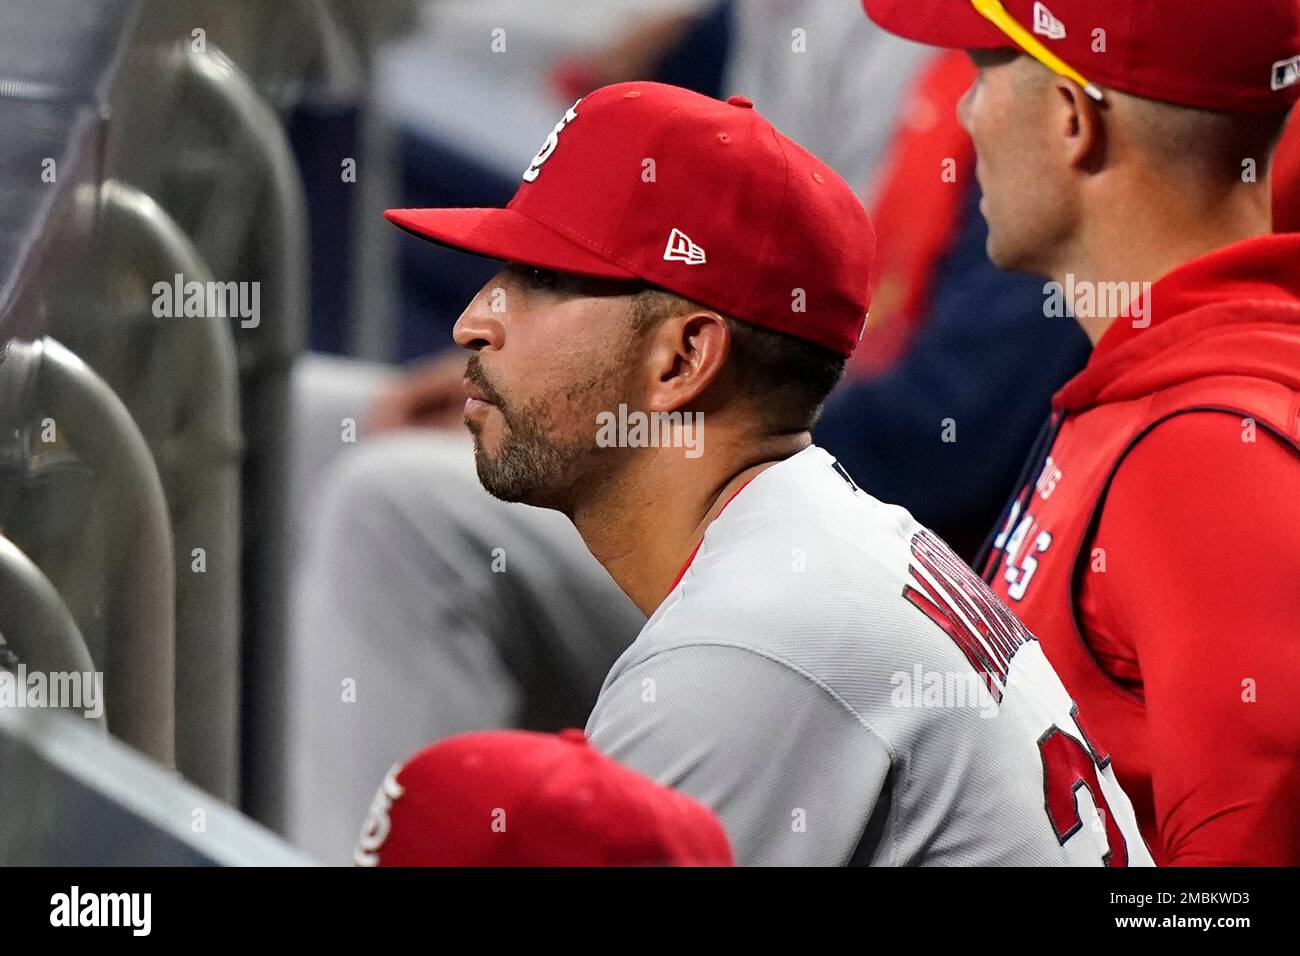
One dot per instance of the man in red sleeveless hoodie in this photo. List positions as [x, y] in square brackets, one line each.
[1154, 545]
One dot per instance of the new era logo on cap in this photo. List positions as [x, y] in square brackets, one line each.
[1286, 73]
[1046, 24]
[680, 248]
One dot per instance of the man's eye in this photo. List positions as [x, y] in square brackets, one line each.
[543, 278]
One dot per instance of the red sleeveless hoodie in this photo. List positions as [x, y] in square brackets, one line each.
[1154, 549]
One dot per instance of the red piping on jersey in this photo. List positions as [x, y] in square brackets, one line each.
[696, 550]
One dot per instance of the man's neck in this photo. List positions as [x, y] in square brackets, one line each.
[645, 526]
[1139, 241]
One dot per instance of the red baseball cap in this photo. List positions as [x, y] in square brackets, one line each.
[517, 798]
[1240, 55]
[703, 198]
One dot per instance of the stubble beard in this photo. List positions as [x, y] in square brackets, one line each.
[528, 466]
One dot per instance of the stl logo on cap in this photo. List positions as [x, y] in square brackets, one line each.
[553, 140]
[378, 821]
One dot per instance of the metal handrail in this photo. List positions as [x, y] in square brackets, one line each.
[139, 657]
[37, 625]
[217, 83]
[200, 468]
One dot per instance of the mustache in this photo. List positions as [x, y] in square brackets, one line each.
[474, 373]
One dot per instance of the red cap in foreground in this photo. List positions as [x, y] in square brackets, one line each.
[516, 798]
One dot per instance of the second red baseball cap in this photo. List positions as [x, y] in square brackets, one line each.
[703, 198]
[1214, 54]
[517, 798]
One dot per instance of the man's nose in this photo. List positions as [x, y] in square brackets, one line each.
[482, 325]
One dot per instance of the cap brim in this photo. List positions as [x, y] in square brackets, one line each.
[944, 23]
[505, 234]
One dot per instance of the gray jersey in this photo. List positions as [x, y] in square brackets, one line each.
[841, 689]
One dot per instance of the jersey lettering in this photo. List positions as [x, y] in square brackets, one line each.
[988, 636]
[950, 595]
[1068, 767]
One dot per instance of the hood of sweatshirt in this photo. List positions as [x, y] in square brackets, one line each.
[1235, 311]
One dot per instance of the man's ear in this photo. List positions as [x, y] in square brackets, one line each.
[1079, 125]
[686, 354]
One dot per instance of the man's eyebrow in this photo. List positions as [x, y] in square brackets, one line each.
[576, 283]
[993, 57]
[598, 286]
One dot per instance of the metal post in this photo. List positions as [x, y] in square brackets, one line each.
[183, 393]
[139, 665]
[268, 353]
[37, 626]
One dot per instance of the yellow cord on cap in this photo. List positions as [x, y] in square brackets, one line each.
[996, 13]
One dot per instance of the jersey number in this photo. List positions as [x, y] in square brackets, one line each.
[1021, 566]
[1069, 766]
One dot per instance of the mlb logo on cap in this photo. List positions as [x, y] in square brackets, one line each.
[1286, 73]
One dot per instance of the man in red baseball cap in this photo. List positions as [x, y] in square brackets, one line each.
[684, 285]
[1154, 545]
[516, 798]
